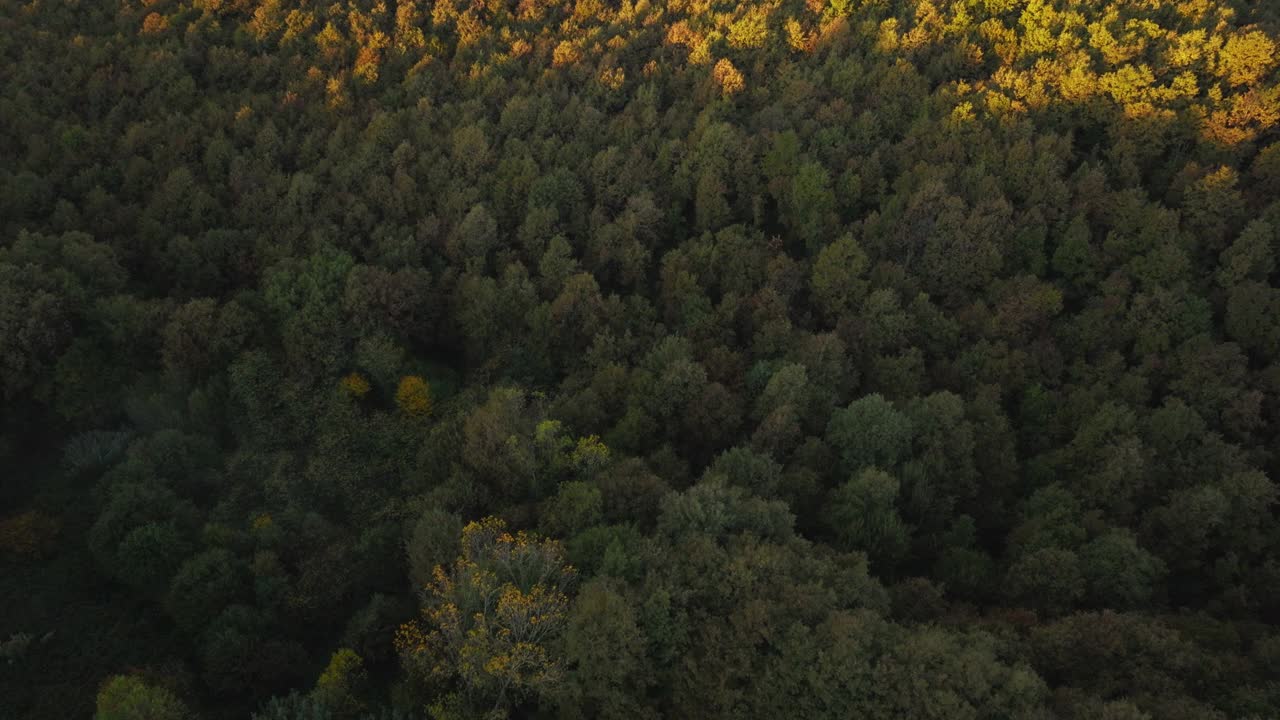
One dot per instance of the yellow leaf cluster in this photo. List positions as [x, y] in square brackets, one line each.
[367, 61]
[728, 77]
[751, 30]
[613, 78]
[336, 92]
[797, 39]
[565, 54]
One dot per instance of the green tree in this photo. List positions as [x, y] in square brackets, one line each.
[305, 298]
[839, 278]
[1118, 572]
[813, 204]
[341, 686]
[1075, 257]
[204, 585]
[126, 697]
[1048, 579]
[575, 507]
[869, 432]
[1253, 317]
[607, 673]
[477, 236]
[862, 514]
[433, 541]
[150, 554]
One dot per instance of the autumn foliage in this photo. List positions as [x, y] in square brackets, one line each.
[820, 358]
[355, 385]
[413, 396]
[492, 617]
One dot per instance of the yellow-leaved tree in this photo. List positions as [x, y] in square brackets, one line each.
[490, 621]
[413, 396]
[355, 385]
[727, 77]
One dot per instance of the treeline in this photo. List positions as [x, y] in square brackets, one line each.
[683, 359]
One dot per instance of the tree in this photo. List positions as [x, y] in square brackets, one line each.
[150, 554]
[45, 284]
[557, 265]
[413, 396]
[759, 474]
[205, 585]
[856, 664]
[711, 203]
[811, 216]
[576, 506]
[477, 236]
[1118, 572]
[1075, 257]
[606, 668]
[1246, 57]
[576, 313]
[242, 652]
[1048, 579]
[1214, 206]
[29, 535]
[294, 706]
[496, 442]
[200, 335]
[1119, 655]
[933, 653]
[342, 684]
[862, 514]
[493, 619]
[964, 569]
[396, 302]
[433, 541]
[1250, 256]
[869, 432]
[305, 298]
[727, 77]
[750, 30]
[1253, 317]
[960, 252]
[127, 697]
[941, 473]
[838, 281]
[138, 534]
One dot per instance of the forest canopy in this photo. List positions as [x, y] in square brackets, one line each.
[690, 359]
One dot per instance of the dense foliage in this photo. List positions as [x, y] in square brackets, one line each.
[641, 359]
